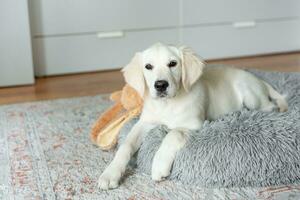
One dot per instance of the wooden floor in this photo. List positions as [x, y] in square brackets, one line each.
[106, 82]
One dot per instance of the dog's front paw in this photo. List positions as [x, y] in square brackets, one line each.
[109, 179]
[160, 167]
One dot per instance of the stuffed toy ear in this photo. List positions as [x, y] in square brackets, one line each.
[133, 74]
[192, 67]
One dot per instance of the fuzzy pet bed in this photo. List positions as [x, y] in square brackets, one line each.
[244, 148]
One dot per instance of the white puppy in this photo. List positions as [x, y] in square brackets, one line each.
[180, 92]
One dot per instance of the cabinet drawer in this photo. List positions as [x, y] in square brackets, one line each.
[227, 41]
[50, 17]
[220, 11]
[83, 53]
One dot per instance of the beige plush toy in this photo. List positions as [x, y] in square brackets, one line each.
[105, 131]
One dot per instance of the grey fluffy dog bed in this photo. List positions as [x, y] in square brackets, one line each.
[244, 148]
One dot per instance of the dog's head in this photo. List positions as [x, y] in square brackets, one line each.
[163, 70]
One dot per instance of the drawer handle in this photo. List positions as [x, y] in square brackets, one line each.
[244, 24]
[113, 34]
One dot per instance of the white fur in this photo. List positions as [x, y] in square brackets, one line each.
[195, 93]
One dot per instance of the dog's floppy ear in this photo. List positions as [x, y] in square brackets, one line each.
[133, 74]
[192, 67]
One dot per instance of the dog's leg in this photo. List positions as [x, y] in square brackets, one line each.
[164, 157]
[111, 176]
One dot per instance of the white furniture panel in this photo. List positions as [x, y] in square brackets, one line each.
[221, 11]
[16, 66]
[81, 53]
[50, 17]
[71, 36]
[227, 41]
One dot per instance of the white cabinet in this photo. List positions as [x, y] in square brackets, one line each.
[65, 31]
[52, 17]
[197, 12]
[231, 28]
[87, 52]
[229, 41]
[16, 66]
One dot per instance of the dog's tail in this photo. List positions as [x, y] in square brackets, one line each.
[280, 99]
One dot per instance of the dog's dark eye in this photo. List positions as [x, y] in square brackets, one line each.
[172, 63]
[149, 66]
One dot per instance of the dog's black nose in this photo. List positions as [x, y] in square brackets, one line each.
[161, 85]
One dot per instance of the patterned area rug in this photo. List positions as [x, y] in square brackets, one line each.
[45, 153]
